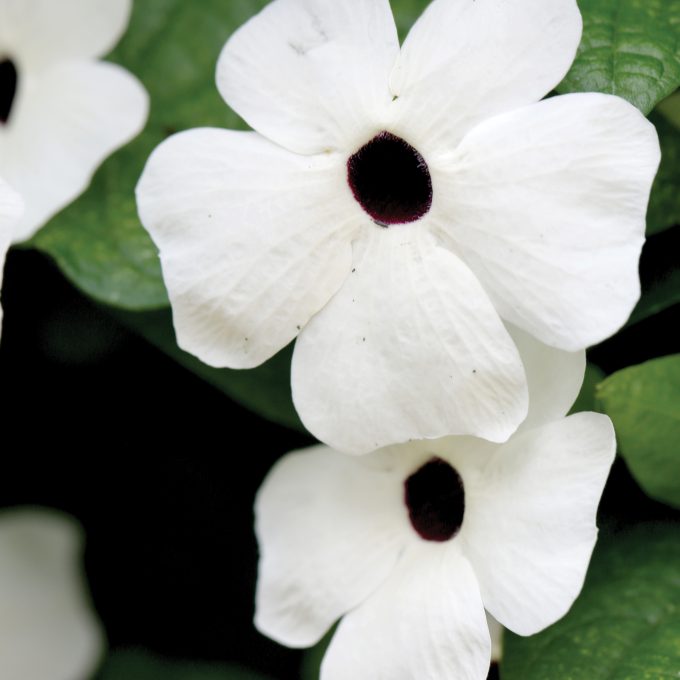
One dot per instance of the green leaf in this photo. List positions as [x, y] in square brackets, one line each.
[624, 626]
[664, 203]
[630, 48]
[661, 295]
[644, 404]
[138, 665]
[311, 661]
[172, 46]
[264, 389]
[586, 398]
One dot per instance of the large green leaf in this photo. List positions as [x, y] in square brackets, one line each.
[172, 46]
[138, 665]
[264, 389]
[644, 404]
[630, 48]
[664, 204]
[661, 295]
[624, 626]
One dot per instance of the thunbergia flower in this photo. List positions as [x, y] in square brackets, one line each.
[412, 543]
[47, 628]
[62, 112]
[395, 205]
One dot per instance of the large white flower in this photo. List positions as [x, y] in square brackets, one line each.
[61, 111]
[395, 205]
[412, 543]
[47, 628]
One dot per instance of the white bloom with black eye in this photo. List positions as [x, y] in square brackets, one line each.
[411, 544]
[396, 205]
[48, 630]
[62, 112]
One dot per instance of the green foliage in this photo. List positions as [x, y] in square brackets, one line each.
[644, 404]
[664, 204]
[138, 665]
[624, 626]
[172, 46]
[630, 48]
[663, 293]
[265, 389]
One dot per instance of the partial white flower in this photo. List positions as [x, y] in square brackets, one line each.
[48, 630]
[411, 544]
[396, 205]
[62, 112]
[11, 208]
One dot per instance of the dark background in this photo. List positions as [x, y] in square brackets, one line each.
[161, 469]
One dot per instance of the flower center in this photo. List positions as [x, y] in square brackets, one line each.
[435, 499]
[8, 88]
[390, 180]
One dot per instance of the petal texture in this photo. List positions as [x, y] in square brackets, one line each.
[409, 348]
[253, 239]
[330, 530]
[312, 75]
[426, 622]
[547, 206]
[47, 629]
[65, 122]
[529, 526]
[554, 377]
[36, 32]
[465, 61]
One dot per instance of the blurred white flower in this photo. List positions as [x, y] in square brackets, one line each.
[62, 112]
[395, 205]
[411, 544]
[48, 630]
[11, 207]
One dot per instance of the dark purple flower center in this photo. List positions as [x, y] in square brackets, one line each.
[435, 499]
[8, 88]
[390, 180]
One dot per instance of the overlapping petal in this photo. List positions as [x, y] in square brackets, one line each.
[330, 530]
[64, 122]
[529, 526]
[554, 377]
[427, 621]
[410, 347]
[547, 205]
[312, 75]
[47, 628]
[253, 240]
[35, 32]
[465, 61]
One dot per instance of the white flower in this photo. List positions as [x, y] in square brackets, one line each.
[410, 544]
[500, 208]
[47, 628]
[11, 207]
[61, 111]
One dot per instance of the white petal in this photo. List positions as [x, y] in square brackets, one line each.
[253, 240]
[547, 206]
[409, 348]
[330, 530]
[426, 623]
[496, 631]
[47, 628]
[36, 32]
[465, 61]
[529, 526]
[64, 123]
[312, 75]
[553, 375]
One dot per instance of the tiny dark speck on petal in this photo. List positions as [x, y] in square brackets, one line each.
[474, 370]
[363, 339]
[353, 270]
[298, 327]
